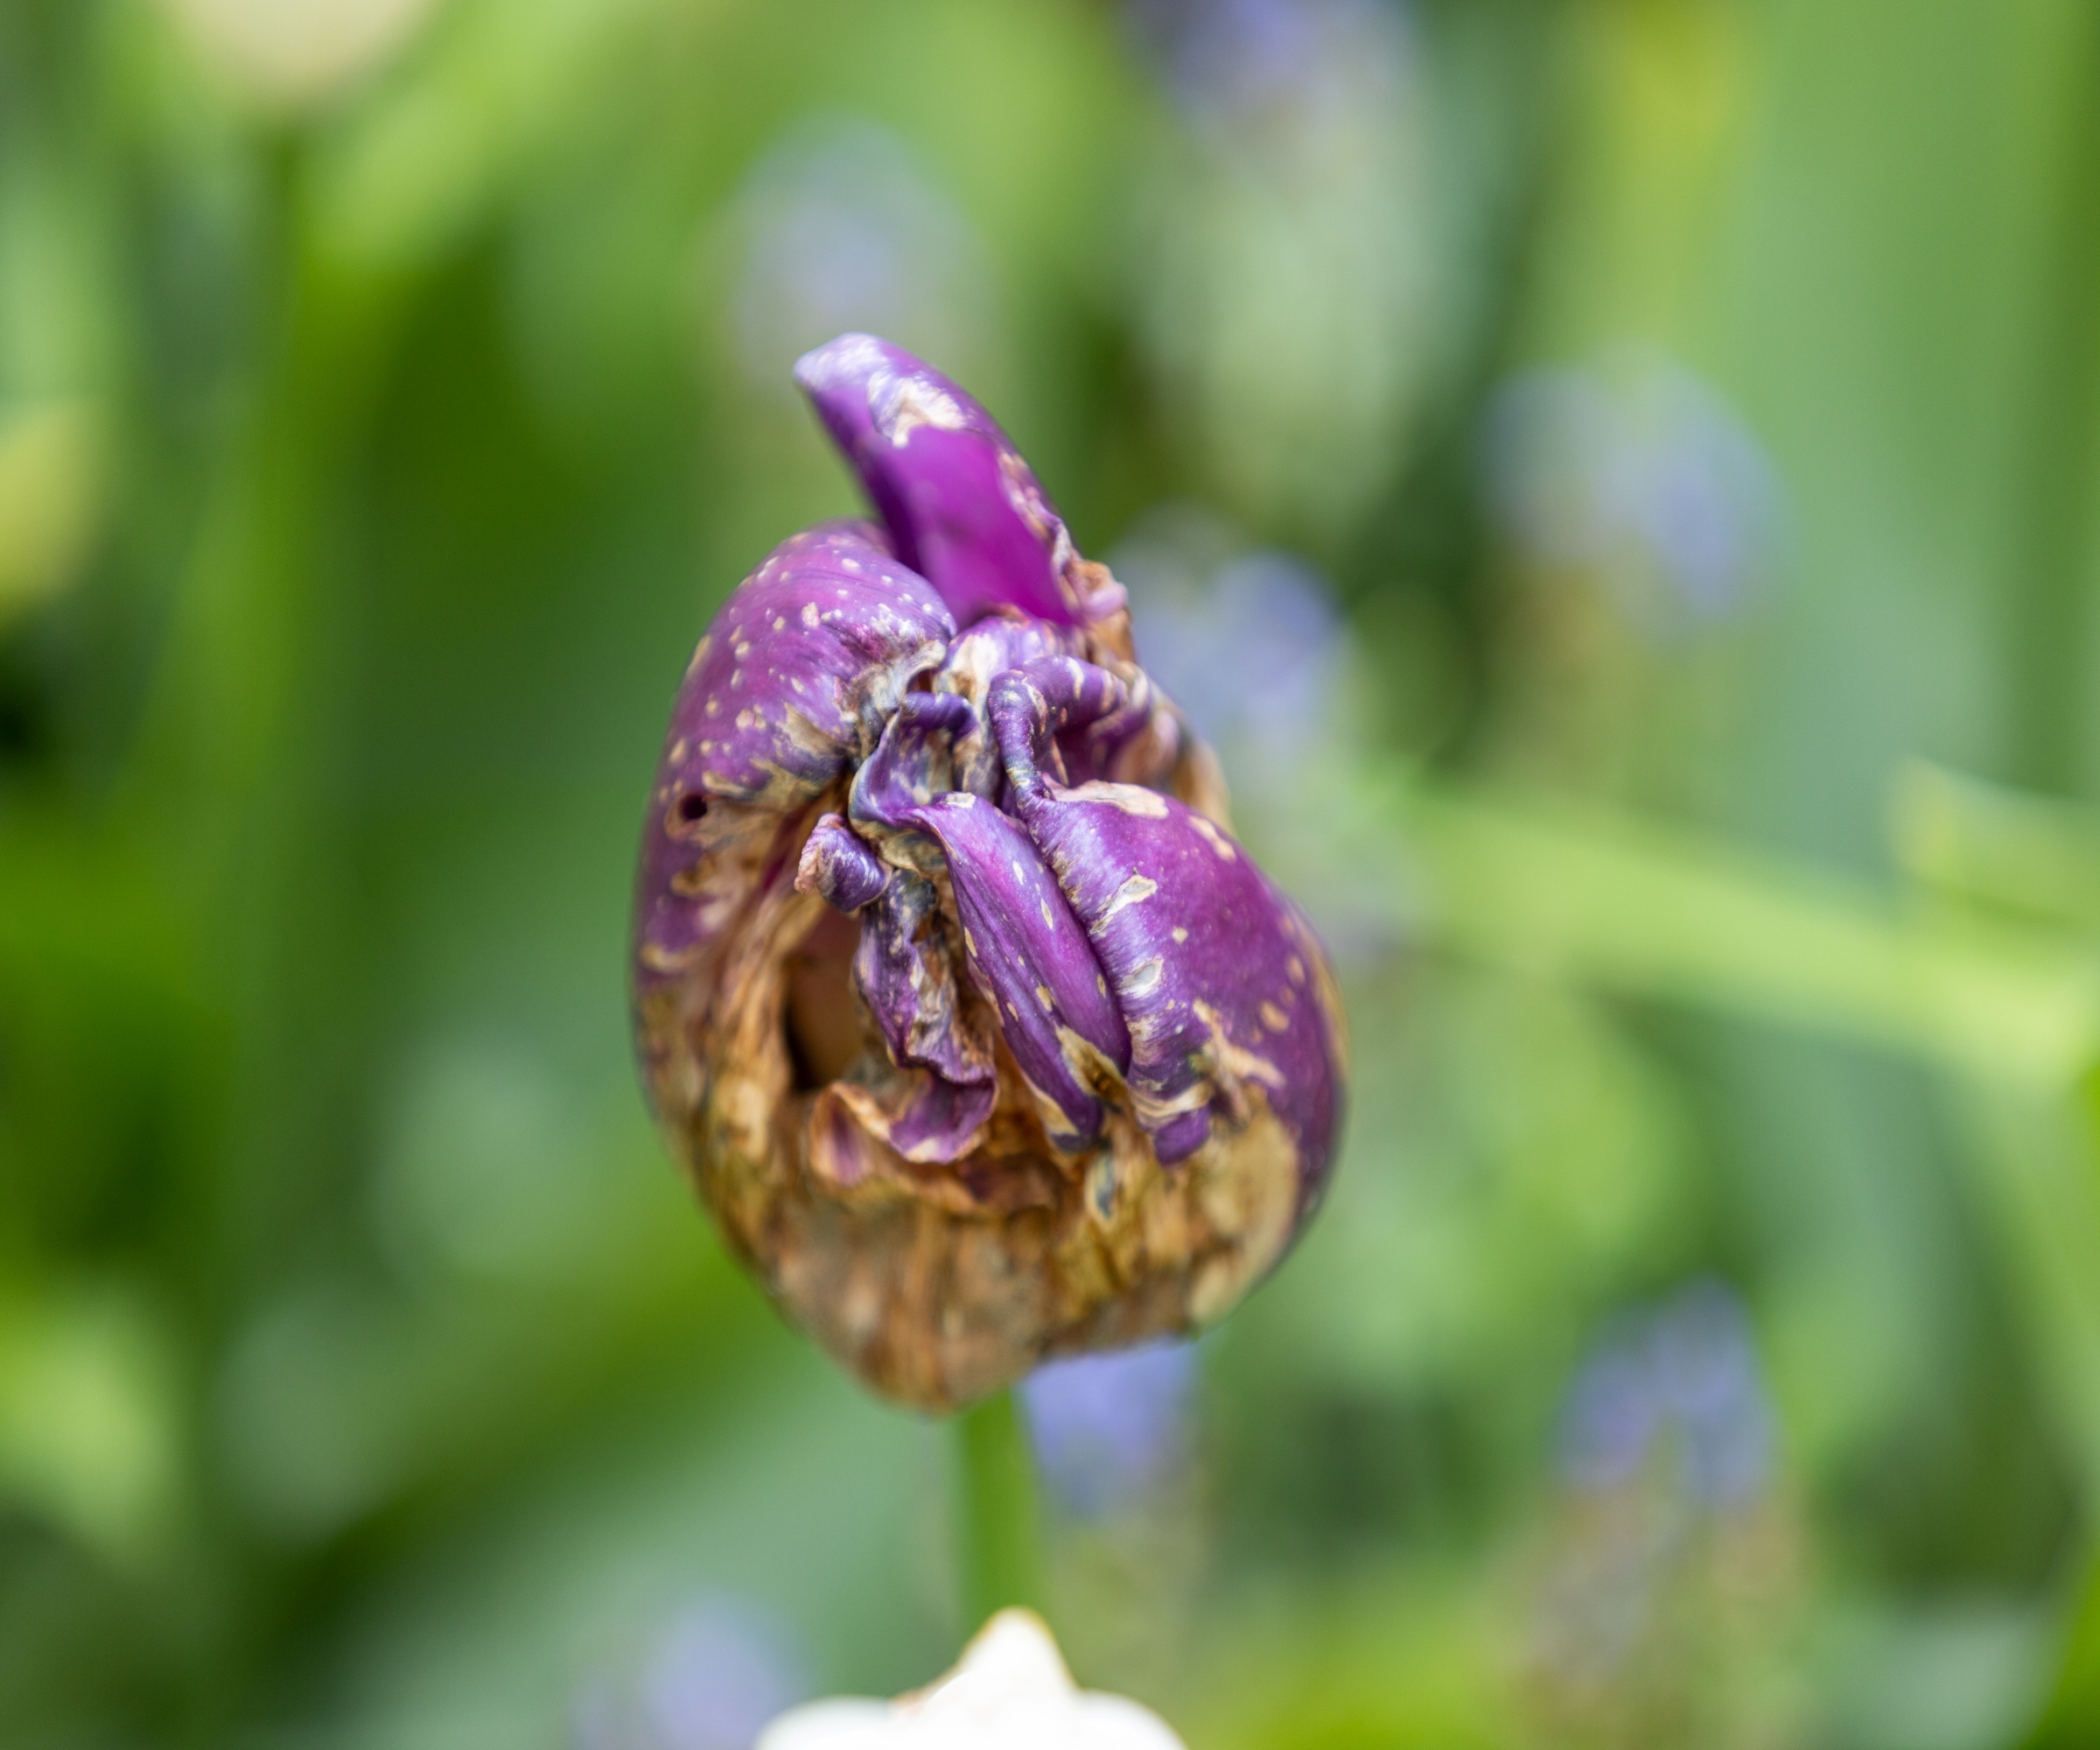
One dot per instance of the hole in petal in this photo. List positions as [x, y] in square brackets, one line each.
[823, 1011]
[692, 806]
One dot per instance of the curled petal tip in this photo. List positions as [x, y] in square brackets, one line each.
[960, 505]
[849, 360]
[838, 868]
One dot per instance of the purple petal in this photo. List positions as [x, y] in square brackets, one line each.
[1215, 975]
[838, 867]
[1029, 955]
[1025, 949]
[1139, 741]
[803, 665]
[941, 1121]
[911, 765]
[985, 651]
[905, 967]
[960, 505]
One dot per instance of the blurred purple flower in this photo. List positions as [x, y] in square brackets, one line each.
[711, 1679]
[1249, 645]
[841, 227]
[1640, 472]
[1233, 64]
[1108, 1429]
[1682, 1382]
[1253, 648]
[1288, 291]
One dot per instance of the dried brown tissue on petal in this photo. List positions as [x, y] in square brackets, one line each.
[1246, 1183]
[937, 1308]
[718, 864]
[1237, 1065]
[1113, 1256]
[806, 736]
[755, 1076]
[932, 1309]
[1198, 780]
[1105, 1257]
[825, 1030]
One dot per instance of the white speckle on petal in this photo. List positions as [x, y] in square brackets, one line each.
[1143, 978]
[1136, 889]
[1217, 840]
[1131, 798]
[918, 403]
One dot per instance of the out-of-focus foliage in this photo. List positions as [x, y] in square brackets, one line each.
[1616, 479]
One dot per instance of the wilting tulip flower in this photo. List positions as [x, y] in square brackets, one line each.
[982, 1037]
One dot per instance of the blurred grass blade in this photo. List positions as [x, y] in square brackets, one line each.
[1597, 898]
[2008, 848]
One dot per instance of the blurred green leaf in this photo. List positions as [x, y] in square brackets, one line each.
[89, 1428]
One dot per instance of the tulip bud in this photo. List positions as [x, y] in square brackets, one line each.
[982, 1037]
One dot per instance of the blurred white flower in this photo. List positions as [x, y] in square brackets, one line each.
[294, 55]
[1284, 285]
[1638, 471]
[1008, 1692]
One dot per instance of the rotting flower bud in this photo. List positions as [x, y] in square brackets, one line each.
[980, 1035]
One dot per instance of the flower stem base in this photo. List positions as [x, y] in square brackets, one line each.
[998, 1528]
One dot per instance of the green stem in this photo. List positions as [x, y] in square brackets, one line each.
[997, 1530]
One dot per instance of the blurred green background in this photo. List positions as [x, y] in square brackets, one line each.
[1616, 477]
